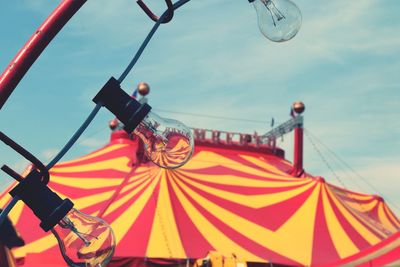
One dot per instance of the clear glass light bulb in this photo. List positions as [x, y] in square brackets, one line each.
[168, 143]
[84, 241]
[278, 20]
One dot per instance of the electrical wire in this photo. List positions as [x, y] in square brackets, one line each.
[94, 112]
[210, 116]
[352, 170]
[75, 137]
[325, 161]
[141, 49]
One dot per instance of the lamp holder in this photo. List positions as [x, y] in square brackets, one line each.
[127, 109]
[44, 203]
[27, 155]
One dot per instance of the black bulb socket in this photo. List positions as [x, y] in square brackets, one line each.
[127, 109]
[44, 203]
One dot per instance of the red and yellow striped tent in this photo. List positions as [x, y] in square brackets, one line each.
[230, 199]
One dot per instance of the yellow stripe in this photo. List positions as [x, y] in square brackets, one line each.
[215, 237]
[242, 181]
[124, 222]
[84, 202]
[6, 196]
[384, 219]
[375, 254]
[263, 164]
[392, 216]
[98, 153]
[118, 164]
[350, 217]
[253, 201]
[138, 176]
[4, 200]
[15, 213]
[86, 183]
[116, 204]
[351, 195]
[371, 222]
[299, 227]
[362, 207]
[297, 234]
[36, 246]
[132, 185]
[206, 159]
[165, 239]
[342, 242]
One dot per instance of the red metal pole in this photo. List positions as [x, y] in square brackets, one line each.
[30, 52]
[298, 152]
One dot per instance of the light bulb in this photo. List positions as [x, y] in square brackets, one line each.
[84, 241]
[168, 143]
[278, 20]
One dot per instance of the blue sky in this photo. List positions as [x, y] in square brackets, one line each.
[211, 59]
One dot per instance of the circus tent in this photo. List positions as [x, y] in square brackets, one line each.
[231, 199]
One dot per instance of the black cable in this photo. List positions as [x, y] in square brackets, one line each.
[75, 137]
[96, 109]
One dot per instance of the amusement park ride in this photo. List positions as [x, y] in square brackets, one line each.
[85, 240]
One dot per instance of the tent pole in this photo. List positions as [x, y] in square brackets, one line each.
[296, 111]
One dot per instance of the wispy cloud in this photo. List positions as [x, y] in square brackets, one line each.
[211, 59]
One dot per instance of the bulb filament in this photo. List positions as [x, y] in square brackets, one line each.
[68, 224]
[275, 12]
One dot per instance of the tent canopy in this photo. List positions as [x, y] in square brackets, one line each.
[228, 200]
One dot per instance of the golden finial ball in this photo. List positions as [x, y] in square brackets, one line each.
[298, 107]
[113, 124]
[143, 89]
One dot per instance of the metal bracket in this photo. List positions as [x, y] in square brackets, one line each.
[27, 155]
[155, 18]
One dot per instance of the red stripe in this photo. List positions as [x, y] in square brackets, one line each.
[135, 241]
[243, 189]
[129, 150]
[194, 244]
[95, 174]
[359, 241]
[385, 259]
[387, 210]
[240, 239]
[28, 226]
[75, 193]
[259, 215]
[225, 170]
[118, 211]
[323, 248]
[367, 251]
[240, 160]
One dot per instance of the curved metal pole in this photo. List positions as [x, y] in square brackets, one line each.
[30, 52]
